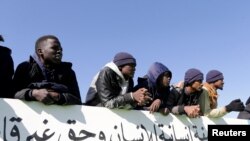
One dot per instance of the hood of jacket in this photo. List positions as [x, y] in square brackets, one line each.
[155, 70]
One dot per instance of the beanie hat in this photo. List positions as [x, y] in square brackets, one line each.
[214, 75]
[123, 58]
[192, 75]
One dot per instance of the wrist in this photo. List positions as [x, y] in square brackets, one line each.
[228, 108]
[32, 94]
[131, 95]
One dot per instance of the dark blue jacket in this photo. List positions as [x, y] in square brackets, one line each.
[6, 72]
[149, 81]
[30, 73]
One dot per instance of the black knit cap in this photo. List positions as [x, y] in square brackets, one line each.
[123, 58]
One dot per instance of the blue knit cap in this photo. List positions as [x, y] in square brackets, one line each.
[123, 58]
[192, 75]
[214, 75]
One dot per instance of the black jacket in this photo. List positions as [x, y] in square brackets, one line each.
[29, 72]
[143, 82]
[108, 90]
[178, 98]
[6, 72]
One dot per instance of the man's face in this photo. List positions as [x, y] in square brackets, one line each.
[128, 70]
[219, 84]
[51, 51]
[197, 85]
[166, 80]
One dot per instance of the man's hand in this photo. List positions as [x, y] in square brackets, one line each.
[46, 96]
[43, 96]
[141, 96]
[155, 106]
[192, 111]
[54, 95]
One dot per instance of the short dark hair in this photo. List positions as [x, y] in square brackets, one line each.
[43, 38]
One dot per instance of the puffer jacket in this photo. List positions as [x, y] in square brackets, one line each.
[29, 72]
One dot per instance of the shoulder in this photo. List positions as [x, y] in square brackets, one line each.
[106, 70]
[23, 64]
[5, 50]
[178, 87]
[66, 65]
[142, 80]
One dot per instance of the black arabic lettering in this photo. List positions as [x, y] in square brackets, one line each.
[119, 137]
[123, 136]
[43, 138]
[181, 139]
[87, 134]
[59, 137]
[14, 131]
[150, 137]
[162, 135]
[4, 129]
[196, 135]
[102, 136]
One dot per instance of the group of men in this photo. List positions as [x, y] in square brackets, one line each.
[45, 78]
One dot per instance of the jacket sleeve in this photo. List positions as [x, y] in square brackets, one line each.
[73, 96]
[109, 91]
[172, 99]
[204, 103]
[6, 74]
[20, 82]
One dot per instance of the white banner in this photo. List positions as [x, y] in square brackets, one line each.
[33, 121]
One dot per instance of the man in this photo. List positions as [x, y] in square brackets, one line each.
[215, 81]
[184, 96]
[246, 113]
[45, 78]
[6, 71]
[112, 86]
[157, 81]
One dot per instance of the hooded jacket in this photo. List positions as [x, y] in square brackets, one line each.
[149, 81]
[110, 89]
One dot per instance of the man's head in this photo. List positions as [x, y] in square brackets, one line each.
[159, 75]
[49, 50]
[216, 77]
[193, 77]
[126, 63]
